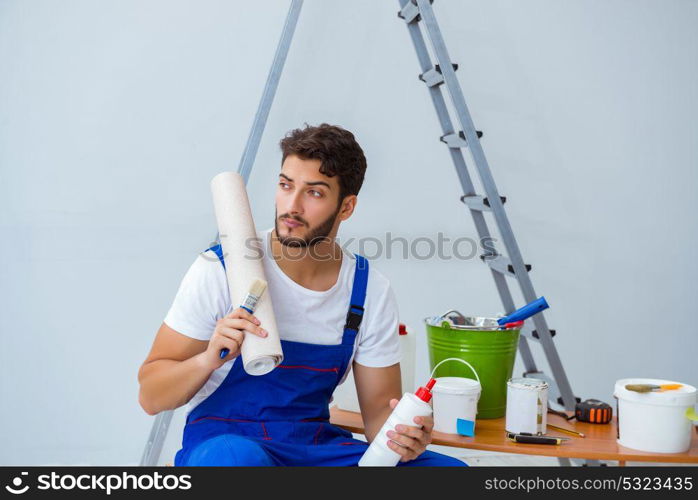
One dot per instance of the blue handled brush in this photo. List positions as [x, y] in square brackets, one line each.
[256, 291]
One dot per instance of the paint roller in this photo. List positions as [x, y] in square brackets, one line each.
[243, 267]
[518, 316]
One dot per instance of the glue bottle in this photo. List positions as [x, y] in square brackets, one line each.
[407, 357]
[409, 407]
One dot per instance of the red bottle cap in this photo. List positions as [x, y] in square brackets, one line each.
[402, 329]
[424, 393]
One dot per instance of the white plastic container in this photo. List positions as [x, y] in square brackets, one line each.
[527, 406]
[455, 398]
[409, 407]
[408, 354]
[657, 422]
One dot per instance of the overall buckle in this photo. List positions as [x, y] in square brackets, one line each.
[354, 318]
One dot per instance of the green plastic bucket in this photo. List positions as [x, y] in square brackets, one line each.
[480, 342]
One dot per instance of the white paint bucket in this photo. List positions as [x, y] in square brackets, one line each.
[657, 422]
[455, 402]
[527, 406]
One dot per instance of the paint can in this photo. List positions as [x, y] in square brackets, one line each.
[527, 406]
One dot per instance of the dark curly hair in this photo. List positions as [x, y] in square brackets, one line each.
[335, 147]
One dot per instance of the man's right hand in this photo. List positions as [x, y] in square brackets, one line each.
[230, 333]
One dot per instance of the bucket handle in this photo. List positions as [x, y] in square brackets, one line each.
[458, 313]
[455, 359]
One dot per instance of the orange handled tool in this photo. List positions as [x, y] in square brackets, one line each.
[652, 388]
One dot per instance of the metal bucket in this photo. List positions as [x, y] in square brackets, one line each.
[480, 342]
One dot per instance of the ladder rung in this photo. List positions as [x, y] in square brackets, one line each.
[434, 77]
[501, 264]
[457, 140]
[410, 12]
[562, 403]
[528, 332]
[481, 203]
[535, 335]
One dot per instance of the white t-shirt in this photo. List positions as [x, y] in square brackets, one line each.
[302, 315]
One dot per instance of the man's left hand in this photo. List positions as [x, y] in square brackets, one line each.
[411, 440]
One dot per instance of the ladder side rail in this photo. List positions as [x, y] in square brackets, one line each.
[272, 83]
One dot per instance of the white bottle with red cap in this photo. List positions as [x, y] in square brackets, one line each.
[407, 358]
[409, 407]
[345, 396]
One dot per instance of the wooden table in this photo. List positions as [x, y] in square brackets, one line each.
[599, 443]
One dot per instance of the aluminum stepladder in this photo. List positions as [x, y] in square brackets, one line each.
[442, 74]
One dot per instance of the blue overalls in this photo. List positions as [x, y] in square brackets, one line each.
[282, 418]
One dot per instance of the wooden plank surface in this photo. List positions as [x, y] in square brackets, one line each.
[599, 443]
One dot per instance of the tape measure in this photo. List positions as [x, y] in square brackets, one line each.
[593, 411]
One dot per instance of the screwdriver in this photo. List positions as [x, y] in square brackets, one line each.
[527, 437]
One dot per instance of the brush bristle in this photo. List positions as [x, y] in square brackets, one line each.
[257, 288]
[639, 387]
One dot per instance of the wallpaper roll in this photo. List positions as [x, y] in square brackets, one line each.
[243, 264]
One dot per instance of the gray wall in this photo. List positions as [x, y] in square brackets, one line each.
[114, 116]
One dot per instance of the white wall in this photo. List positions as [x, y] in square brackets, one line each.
[114, 116]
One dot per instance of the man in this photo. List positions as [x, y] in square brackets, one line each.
[332, 314]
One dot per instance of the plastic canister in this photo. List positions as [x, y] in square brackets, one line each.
[455, 398]
[453, 403]
[345, 396]
[657, 422]
[407, 359]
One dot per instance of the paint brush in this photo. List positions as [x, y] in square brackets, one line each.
[256, 290]
[652, 388]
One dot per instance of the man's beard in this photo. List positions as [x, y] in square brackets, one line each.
[316, 235]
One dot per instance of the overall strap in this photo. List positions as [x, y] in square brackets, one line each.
[356, 305]
[218, 250]
[358, 295]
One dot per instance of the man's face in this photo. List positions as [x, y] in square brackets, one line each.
[307, 203]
